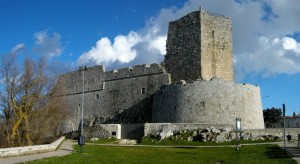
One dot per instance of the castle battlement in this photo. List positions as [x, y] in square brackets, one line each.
[135, 71]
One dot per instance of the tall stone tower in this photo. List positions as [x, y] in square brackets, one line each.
[199, 46]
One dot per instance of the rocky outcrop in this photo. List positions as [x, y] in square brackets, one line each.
[211, 134]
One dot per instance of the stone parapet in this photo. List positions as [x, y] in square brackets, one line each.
[135, 71]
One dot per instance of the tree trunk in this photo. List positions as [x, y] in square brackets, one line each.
[27, 128]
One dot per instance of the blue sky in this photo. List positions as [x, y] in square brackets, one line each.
[120, 33]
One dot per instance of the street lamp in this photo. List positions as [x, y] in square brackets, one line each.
[238, 132]
[283, 113]
[81, 139]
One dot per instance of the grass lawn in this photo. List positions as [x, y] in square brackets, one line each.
[107, 154]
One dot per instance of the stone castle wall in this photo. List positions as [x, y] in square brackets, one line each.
[71, 83]
[199, 46]
[216, 47]
[182, 60]
[118, 96]
[209, 102]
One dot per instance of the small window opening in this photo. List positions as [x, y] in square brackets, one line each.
[113, 133]
[97, 96]
[143, 90]
[213, 33]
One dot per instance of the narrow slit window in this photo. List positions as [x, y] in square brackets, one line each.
[143, 90]
[97, 96]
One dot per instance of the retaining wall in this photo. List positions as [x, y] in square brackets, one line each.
[16, 151]
[152, 128]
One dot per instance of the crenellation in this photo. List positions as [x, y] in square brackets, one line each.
[135, 71]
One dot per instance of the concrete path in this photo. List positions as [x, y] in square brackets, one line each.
[292, 149]
[64, 149]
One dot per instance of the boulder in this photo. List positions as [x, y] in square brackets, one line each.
[165, 134]
[215, 130]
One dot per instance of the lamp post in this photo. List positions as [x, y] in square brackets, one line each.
[81, 139]
[283, 113]
[238, 132]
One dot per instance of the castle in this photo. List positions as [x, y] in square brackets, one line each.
[194, 84]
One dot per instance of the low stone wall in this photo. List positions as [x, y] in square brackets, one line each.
[103, 131]
[151, 128]
[119, 131]
[214, 132]
[132, 131]
[16, 151]
[276, 132]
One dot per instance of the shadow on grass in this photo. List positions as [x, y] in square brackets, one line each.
[186, 153]
[276, 152]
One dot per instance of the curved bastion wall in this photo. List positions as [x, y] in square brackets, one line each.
[210, 102]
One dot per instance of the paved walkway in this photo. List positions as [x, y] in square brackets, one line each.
[64, 149]
[292, 149]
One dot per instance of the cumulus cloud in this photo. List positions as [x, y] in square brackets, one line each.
[274, 55]
[260, 42]
[125, 50]
[105, 52]
[48, 45]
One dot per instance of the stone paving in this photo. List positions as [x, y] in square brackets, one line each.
[64, 149]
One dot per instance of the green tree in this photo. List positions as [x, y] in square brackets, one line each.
[272, 115]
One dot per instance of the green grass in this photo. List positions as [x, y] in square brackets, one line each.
[115, 154]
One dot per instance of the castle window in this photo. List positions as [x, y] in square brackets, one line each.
[97, 96]
[213, 33]
[143, 90]
[113, 133]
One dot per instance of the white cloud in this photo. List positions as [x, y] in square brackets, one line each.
[291, 44]
[18, 48]
[158, 43]
[106, 52]
[259, 37]
[48, 46]
[273, 56]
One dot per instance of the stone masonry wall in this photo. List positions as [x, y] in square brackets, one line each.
[71, 82]
[152, 128]
[199, 46]
[118, 96]
[216, 46]
[128, 98]
[182, 60]
[209, 102]
[214, 132]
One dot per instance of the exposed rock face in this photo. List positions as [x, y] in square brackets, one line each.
[213, 134]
